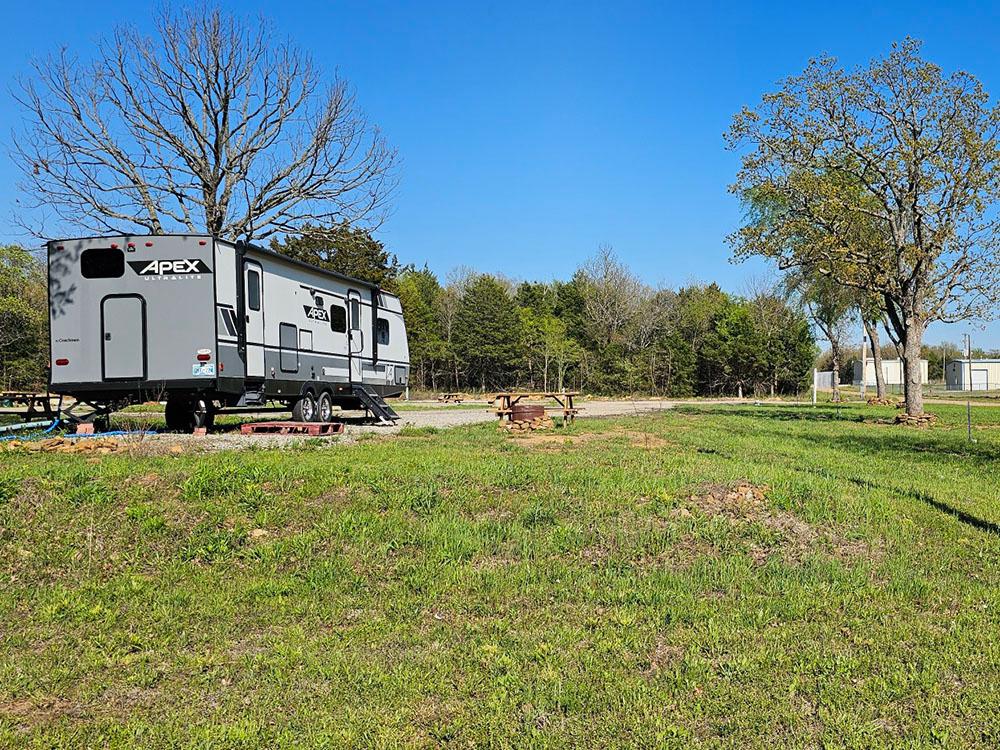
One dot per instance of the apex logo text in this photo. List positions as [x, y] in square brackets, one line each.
[179, 267]
[316, 313]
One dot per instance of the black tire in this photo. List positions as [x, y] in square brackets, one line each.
[324, 408]
[304, 409]
[175, 414]
[187, 414]
[201, 414]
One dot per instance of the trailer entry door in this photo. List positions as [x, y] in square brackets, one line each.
[123, 334]
[253, 292]
[355, 336]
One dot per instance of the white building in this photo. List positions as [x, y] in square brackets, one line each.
[892, 371]
[972, 375]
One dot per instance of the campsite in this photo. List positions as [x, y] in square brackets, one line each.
[381, 375]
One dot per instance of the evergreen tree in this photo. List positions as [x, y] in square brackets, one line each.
[418, 293]
[343, 249]
[487, 336]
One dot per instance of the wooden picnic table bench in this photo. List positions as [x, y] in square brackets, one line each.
[450, 398]
[35, 404]
[505, 400]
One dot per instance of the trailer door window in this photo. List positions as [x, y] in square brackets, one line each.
[382, 331]
[102, 263]
[338, 318]
[355, 314]
[253, 290]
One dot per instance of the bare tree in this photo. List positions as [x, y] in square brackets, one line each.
[207, 126]
[456, 284]
[612, 296]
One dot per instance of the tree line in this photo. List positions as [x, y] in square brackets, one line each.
[602, 331]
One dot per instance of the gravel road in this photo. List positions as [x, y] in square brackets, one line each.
[420, 414]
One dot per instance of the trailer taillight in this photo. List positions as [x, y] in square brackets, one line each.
[204, 357]
[62, 361]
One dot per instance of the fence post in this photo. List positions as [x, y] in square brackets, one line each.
[968, 401]
[814, 385]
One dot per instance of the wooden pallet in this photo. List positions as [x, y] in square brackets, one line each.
[292, 428]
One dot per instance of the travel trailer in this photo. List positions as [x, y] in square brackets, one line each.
[206, 324]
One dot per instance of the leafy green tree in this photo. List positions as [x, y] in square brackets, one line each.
[487, 336]
[343, 249]
[699, 310]
[897, 147]
[23, 319]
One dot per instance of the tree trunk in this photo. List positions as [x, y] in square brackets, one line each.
[912, 377]
[871, 328]
[908, 324]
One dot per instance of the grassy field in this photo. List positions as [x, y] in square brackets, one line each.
[727, 576]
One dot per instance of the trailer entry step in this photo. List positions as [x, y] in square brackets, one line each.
[292, 428]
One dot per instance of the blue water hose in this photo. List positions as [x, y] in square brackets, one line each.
[55, 423]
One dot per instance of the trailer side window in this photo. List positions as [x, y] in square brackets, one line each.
[102, 263]
[288, 341]
[253, 290]
[382, 331]
[338, 318]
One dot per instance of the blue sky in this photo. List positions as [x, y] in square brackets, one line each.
[531, 133]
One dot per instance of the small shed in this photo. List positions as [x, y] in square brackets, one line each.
[892, 371]
[972, 375]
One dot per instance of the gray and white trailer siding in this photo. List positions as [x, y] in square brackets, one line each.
[199, 322]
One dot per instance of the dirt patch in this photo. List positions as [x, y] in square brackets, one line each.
[746, 503]
[555, 441]
[41, 710]
[663, 656]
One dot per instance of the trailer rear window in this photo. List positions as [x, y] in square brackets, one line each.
[382, 331]
[102, 263]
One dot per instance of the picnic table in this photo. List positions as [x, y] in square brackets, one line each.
[450, 398]
[34, 404]
[504, 403]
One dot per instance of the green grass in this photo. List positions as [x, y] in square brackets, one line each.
[465, 588]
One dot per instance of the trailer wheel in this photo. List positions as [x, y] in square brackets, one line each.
[324, 409]
[174, 413]
[304, 409]
[202, 414]
[187, 414]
